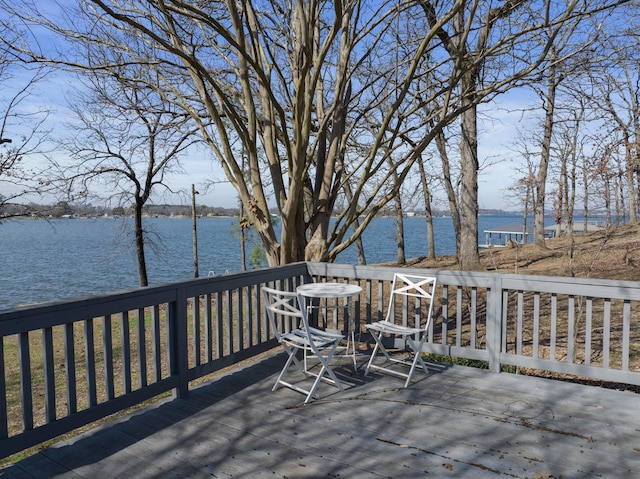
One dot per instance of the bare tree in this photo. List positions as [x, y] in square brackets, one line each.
[549, 102]
[22, 136]
[297, 85]
[569, 147]
[474, 41]
[618, 83]
[127, 138]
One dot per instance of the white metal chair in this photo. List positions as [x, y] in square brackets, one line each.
[289, 322]
[404, 287]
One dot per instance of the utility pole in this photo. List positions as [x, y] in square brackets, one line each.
[195, 231]
[243, 224]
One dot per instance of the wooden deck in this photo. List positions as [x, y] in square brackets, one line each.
[457, 422]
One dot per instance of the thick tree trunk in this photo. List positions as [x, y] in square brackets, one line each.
[469, 256]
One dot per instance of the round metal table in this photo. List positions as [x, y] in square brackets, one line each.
[335, 291]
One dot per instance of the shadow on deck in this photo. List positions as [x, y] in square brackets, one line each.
[456, 422]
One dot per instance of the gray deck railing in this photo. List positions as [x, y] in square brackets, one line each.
[65, 365]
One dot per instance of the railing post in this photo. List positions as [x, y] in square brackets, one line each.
[178, 343]
[494, 323]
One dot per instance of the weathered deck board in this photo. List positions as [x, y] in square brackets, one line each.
[457, 422]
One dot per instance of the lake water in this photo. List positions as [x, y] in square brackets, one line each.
[61, 259]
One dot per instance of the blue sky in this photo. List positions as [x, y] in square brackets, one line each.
[497, 128]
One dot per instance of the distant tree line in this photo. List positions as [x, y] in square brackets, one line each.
[63, 208]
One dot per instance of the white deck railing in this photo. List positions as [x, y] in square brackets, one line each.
[64, 365]
[577, 326]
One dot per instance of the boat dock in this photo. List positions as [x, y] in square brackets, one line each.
[501, 236]
[506, 235]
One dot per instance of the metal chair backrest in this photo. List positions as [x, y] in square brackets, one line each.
[411, 286]
[282, 304]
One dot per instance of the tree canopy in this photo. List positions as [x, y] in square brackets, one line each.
[302, 101]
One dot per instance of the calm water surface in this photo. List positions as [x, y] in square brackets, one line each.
[61, 259]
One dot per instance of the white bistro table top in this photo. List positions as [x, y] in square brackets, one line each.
[328, 290]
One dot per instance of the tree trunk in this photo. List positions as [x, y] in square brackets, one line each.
[243, 239]
[545, 156]
[525, 213]
[139, 240]
[359, 244]
[402, 260]
[607, 199]
[441, 145]
[585, 199]
[631, 188]
[469, 256]
[427, 209]
[397, 200]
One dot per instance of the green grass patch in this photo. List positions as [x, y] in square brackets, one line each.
[472, 363]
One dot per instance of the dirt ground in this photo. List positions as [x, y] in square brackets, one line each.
[612, 253]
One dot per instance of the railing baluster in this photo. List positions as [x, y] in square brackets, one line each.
[445, 315]
[536, 324]
[229, 322]
[606, 333]
[519, 320]
[571, 328]
[553, 335]
[380, 299]
[626, 328]
[142, 347]
[459, 311]
[4, 426]
[495, 323]
[504, 320]
[474, 311]
[125, 334]
[25, 381]
[70, 369]
[240, 319]
[250, 318]
[588, 331]
[195, 312]
[219, 327]
[156, 343]
[431, 327]
[107, 345]
[208, 328]
[368, 298]
[49, 378]
[89, 347]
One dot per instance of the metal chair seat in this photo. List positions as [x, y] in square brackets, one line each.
[404, 286]
[283, 305]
